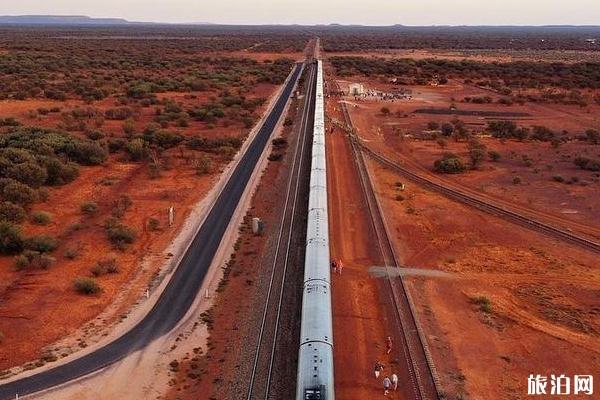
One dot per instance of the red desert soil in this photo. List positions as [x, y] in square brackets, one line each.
[42, 305]
[535, 164]
[359, 323]
[543, 317]
[514, 302]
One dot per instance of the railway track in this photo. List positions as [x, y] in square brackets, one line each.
[418, 363]
[483, 205]
[262, 382]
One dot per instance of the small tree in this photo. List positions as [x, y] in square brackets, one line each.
[449, 164]
[476, 153]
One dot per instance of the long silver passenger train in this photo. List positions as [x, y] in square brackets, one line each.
[315, 361]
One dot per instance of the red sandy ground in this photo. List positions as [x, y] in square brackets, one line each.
[545, 316]
[359, 324]
[544, 294]
[42, 305]
[567, 204]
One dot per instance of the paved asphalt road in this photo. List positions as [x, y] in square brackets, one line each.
[181, 291]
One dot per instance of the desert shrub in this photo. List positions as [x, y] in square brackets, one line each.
[162, 138]
[20, 262]
[558, 178]
[95, 135]
[29, 173]
[12, 212]
[11, 238]
[88, 153]
[106, 266]
[120, 235]
[203, 165]
[88, 207]
[41, 218]
[494, 155]
[129, 127]
[542, 134]
[33, 259]
[587, 163]
[137, 149]
[279, 143]
[447, 129]
[120, 205]
[41, 243]
[449, 164]
[433, 126]
[477, 153]
[516, 180]
[87, 286]
[593, 136]
[153, 224]
[275, 156]
[115, 145]
[119, 114]
[18, 193]
[59, 173]
[72, 253]
[502, 129]
[385, 111]
[483, 303]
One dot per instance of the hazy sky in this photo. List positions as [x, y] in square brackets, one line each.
[368, 12]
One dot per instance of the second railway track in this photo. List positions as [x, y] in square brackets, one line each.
[483, 205]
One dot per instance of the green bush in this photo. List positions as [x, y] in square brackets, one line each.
[41, 243]
[41, 218]
[483, 303]
[18, 193]
[449, 164]
[107, 266]
[11, 238]
[89, 207]
[203, 165]
[137, 149]
[120, 235]
[59, 172]
[12, 212]
[87, 286]
[587, 163]
[29, 173]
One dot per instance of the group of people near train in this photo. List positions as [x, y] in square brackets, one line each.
[390, 382]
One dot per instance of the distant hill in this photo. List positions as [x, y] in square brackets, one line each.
[60, 20]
